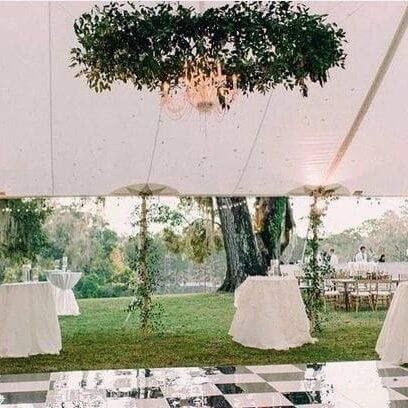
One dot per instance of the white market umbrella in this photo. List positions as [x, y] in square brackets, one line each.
[316, 192]
[329, 190]
[144, 190]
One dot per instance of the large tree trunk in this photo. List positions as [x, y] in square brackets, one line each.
[273, 225]
[241, 251]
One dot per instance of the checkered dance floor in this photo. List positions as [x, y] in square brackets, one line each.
[367, 384]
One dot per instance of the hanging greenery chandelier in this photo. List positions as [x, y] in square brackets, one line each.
[204, 60]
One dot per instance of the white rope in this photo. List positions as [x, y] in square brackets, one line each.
[156, 136]
[253, 144]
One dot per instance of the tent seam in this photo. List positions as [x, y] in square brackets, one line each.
[51, 101]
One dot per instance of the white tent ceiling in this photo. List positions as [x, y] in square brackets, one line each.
[59, 138]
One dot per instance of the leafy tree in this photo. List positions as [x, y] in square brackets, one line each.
[69, 232]
[22, 233]
[89, 244]
[345, 243]
[121, 270]
[89, 286]
[191, 231]
[387, 235]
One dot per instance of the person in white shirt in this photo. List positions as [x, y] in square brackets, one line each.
[362, 255]
[334, 261]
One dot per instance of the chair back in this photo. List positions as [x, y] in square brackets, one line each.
[364, 286]
[385, 285]
[329, 285]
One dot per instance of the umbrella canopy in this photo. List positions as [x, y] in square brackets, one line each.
[146, 189]
[332, 189]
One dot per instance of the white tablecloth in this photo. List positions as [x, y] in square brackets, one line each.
[392, 344]
[63, 282]
[270, 314]
[28, 320]
[361, 268]
[395, 269]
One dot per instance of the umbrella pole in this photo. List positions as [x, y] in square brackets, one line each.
[144, 270]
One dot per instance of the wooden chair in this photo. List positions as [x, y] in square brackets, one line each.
[365, 292]
[385, 291]
[331, 294]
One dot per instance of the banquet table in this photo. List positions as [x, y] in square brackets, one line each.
[28, 320]
[392, 343]
[63, 282]
[270, 314]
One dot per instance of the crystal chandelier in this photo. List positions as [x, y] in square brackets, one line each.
[204, 87]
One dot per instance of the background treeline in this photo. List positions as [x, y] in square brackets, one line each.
[93, 248]
[188, 247]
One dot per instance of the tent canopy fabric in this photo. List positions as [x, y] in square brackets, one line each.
[59, 138]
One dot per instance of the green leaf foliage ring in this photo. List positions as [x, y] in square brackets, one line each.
[264, 43]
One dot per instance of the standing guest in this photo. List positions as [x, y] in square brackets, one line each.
[362, 255]
[381, 258]
[334, 261]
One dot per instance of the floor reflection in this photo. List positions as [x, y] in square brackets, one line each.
[367, 384]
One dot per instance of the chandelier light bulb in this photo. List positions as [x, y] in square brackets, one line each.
[204, 88]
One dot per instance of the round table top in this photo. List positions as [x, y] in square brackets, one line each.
[28, 283]
[58, 272]
[64, 280]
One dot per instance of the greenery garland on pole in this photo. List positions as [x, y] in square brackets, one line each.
[144, 262]
[315, 269]
[257, 46]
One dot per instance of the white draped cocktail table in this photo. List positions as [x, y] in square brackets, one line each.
[28, 320]
[63, 283]
[270, 314]
[392, 344]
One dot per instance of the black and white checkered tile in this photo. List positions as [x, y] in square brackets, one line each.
[367, 384]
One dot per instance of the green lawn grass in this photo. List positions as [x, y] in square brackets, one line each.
[195, 334]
